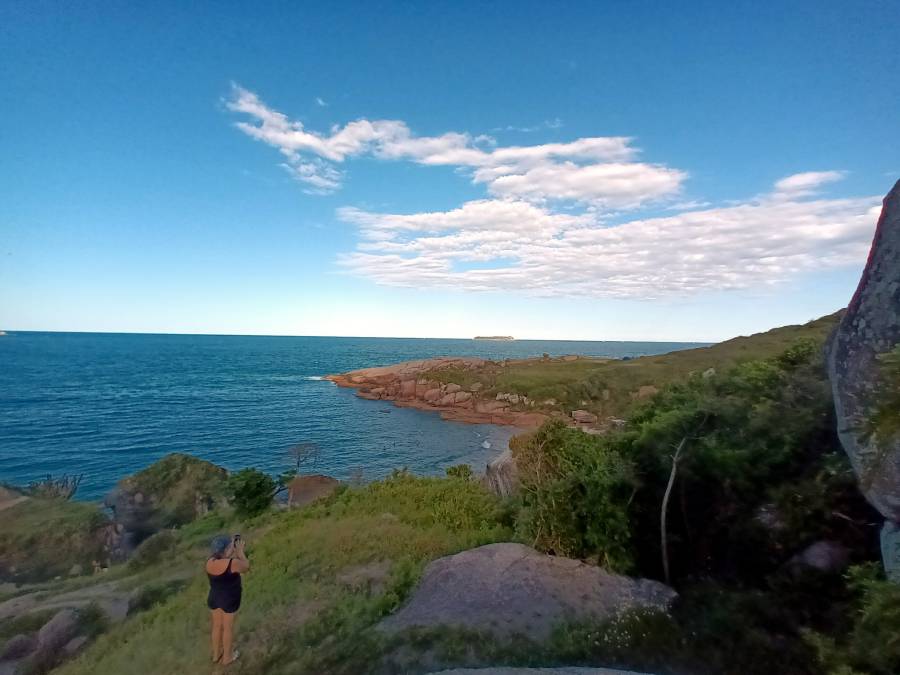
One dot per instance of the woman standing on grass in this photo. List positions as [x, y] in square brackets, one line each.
[224, 570]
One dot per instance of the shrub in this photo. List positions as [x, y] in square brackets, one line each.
[461, 471]
[575, 492]
[456, 505]
[746, 431]
[251, 492]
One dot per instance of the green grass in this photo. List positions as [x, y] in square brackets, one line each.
[609, 386]
[297, 616]
[44, 538]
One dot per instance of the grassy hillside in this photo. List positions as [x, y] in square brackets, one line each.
[320, 579]
[607, 386]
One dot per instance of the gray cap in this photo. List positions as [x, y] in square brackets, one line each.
[219, 545]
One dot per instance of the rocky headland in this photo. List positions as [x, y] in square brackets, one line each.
[428, 385]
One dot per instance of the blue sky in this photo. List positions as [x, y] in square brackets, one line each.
[580, 170]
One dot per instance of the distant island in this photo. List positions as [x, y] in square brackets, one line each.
[504, 338]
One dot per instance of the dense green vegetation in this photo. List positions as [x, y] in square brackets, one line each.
[251, 492]
[758, 476]
[575, 492]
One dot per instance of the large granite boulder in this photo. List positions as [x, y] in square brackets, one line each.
[870, 327]
[510, 589]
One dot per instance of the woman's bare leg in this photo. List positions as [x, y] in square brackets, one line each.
[228, 637]
[216, 637]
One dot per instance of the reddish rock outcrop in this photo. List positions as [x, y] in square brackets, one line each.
[417, 384]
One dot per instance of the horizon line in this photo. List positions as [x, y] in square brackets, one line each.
[11, 331]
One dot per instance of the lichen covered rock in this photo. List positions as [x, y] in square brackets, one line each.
[509, 589]
[870, 327]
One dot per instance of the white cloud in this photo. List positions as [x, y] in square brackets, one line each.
[321, 102]
[598, 170]
[524, 247]
[321, 177]
[516, 241]
[611, 185]
[804, 184]
[555, 123]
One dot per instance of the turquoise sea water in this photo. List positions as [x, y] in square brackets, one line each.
[107, 405]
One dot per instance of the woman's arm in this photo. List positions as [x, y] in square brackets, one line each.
[240, 562]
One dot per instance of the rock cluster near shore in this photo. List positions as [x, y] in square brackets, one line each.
[418, 384]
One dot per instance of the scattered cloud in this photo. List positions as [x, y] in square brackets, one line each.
[805, 184]
[552, 220]
[689, 205]
[757, 243]
[612, 185]
[321, 102]
[555, 123]
[598, 170]
[321, 178]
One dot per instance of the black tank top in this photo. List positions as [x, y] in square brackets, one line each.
[227, 582]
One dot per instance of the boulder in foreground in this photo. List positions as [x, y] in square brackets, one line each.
[510, 589]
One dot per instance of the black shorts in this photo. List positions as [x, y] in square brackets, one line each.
[229, 602]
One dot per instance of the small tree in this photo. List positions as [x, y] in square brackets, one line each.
[302, 454]
[251, 491]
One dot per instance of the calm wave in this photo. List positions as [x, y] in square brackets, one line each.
[106, 405]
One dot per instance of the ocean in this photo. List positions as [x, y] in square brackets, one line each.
[106, 405]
